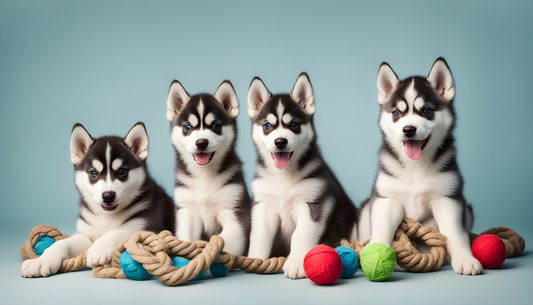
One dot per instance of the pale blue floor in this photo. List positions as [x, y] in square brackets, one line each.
[510, 284]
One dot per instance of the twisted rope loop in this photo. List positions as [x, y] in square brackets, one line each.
[407, 256]
[514, 245]
[154, 252]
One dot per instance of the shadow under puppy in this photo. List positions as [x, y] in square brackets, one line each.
[117, 197]
[298, 201]
[418, 175]
[210, 192]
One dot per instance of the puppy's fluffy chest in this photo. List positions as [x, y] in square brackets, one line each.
[282, 192]
[415, 186]
[207, 194]
[100, 223]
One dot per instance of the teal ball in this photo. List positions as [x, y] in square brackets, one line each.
[133, 269]
[180, 262]
[350, 261]
[218, 270]
[42, 244]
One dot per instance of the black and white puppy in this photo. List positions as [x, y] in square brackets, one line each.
[117, 198]
[298, 201]
[418, 176]
[210, 192]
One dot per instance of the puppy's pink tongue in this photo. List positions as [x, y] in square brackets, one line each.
[413, 149]
[202, 158]
[281, 159]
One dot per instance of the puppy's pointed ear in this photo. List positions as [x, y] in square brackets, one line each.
[137, 140]
[177, 98]
[302, 92]
[258, 94]
[387, 82]
[226, 96]
[440, 78]
[80, 141]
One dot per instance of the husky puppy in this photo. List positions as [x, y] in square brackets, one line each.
[298, 201]
[117, 198]
[210, 192]
[418, 176]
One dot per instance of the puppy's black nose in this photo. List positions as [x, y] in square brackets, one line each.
[280, 143]
[409, 131]
[202, 143]
[108, 197]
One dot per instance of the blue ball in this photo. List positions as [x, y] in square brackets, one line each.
[218, 270]
[42, 244]
[350, 261]
[180, 262]
[133, 269]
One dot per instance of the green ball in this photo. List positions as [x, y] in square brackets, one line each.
[377, 261]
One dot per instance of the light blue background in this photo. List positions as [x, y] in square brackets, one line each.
[108, 64]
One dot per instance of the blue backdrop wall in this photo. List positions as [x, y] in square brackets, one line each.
[108, 64]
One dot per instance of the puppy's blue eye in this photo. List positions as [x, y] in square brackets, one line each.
[427, 110]
[397, 112]
[267, 126]
[94, 174]
[294, 125]
[187, 127]
[121, 171]
[215, 127]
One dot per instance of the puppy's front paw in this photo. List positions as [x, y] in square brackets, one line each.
[40, 267]
[294, 267]
[466, 264]
[100, 253]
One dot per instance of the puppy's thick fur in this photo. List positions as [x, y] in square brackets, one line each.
[418, 176]
[210, 192]
[117, 198]
[298, 201]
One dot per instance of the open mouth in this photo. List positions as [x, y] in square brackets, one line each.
[281, 159]
[202, 158]
[109, 207]
[413, 148]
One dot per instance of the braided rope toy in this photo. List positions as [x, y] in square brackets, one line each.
[154, 252]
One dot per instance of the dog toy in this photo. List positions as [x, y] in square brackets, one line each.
[133, 269]
[218, 270]
[180, 262]
[407, 256]
[489, 250]
[322, 265]
[153, 251]
[349, 259]
[377, 261]
[43, 243]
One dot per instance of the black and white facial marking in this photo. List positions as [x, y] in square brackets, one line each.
[298, 201]
[118, 199]
[202, 123]
[210, 191]
[282, 123]
[417, 112]
[109, 170]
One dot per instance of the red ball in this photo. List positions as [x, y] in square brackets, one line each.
[489, 250]
[322, 265]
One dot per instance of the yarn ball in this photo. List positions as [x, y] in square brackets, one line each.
[350, 261]
[322, 265]
[218, 270]
[42, 244]
[180, 262]
[133, 269]
[489, 250]
[377, 261]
